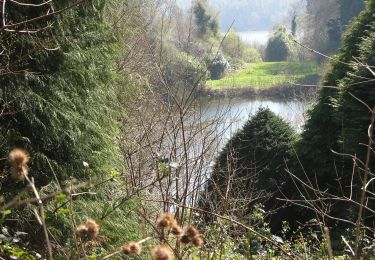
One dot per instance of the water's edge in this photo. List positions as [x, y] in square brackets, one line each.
[278, 92]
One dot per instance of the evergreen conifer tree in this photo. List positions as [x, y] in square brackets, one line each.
[338, 123]
[58, 102]
[324, 126]
[253, 163]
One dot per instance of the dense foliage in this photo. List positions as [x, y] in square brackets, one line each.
[250, 168]
[59, 103]
[280, 47]
[317, 142]
[237, 52]
[49, 101]
[206, 23]
[338, 124]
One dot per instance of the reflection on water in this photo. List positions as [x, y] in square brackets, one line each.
[235, 112]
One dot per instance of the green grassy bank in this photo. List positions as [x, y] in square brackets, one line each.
[264, 75]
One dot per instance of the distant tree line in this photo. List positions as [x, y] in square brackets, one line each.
[321, 28]
[326, 22]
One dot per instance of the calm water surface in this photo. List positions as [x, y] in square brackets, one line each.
[224, 117]
[235, 112]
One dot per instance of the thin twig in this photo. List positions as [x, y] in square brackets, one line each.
[120, 250]
[347, 244]
[7, 26]
[27, 4]
[328, 241]
[358, 232]
[330, 58]
[42, 216]
[16, 201]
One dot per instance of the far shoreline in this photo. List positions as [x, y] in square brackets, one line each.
[275, 92]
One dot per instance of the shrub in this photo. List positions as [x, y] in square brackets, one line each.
[280, 47]
[237, 51]
[218, 66]
[251, 55]
[182, 69]
[250, 168]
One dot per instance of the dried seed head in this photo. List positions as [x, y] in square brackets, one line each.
[89, 231]
[162, 223]
[185, 239]
[19, 172]
[176, 230]
[166, 220]
[161, 253]
[19, 156]
[125, 250]
[19, 159]
[93, 228]
[197, 241]
[82, 231]
[191, 232]
[133, 248]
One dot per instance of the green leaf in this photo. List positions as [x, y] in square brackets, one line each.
[62, 211]
[114, 173]
[60, 196]
[6, 212]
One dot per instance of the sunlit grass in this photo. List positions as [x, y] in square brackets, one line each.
[266, 74]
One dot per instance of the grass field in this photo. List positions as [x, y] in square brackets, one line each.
[266, 75]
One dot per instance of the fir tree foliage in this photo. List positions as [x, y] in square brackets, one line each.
[349, 9]
[338, 124]
[326, 124]
[51, 100]
[254, 161]
[355, 117]
[266, 139]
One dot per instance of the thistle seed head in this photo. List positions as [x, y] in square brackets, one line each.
[133, 248]
[161, 253]
[166, 220]
[89, 230]
[19, 159]
[176, 230]
[197, 241]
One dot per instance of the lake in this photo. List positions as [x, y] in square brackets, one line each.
[255, 37]
[235, 112]
[223, 118]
